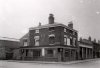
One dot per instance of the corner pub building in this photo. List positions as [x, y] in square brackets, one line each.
[50, 42]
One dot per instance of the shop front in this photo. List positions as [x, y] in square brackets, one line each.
[58, 54]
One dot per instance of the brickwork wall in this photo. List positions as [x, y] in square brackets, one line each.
[16, 54]
[44, 36]
[2, 53]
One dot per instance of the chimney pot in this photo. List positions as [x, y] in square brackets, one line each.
[51, 19]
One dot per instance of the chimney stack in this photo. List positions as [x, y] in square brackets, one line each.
[51, 19]
[94, 40]
[89, 38]
[80, 39]
[70, 24]
[39, 24]
[98, 41]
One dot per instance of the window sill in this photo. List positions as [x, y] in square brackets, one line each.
[51, 44]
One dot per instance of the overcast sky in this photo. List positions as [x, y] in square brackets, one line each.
[16, 16]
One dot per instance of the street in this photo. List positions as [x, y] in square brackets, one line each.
[89, 64]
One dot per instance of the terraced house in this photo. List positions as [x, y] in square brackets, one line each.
[86, 48]
[50, 42]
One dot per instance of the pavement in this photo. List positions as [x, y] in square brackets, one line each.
[48, 62]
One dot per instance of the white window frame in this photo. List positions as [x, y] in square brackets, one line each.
[74, 41]
[68, 41]
[65, 41]
[65, 30]
[37, 31]
[36, 40]
[25, 44]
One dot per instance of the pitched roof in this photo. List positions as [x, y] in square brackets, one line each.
[9, 39]
[85, 41]
[51, 25]
[9, 42]
[25, 36]
[45, 26]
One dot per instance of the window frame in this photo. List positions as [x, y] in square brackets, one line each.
[37, 31]
[74, 41]
[37, 38]
[53, 41]
[65, 30]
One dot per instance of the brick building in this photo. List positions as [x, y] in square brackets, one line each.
[7, 45]
[50, 42]
[96, 49]
[85, 48]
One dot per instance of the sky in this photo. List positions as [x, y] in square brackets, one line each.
[17, 16]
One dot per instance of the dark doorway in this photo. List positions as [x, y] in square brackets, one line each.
[9, 56]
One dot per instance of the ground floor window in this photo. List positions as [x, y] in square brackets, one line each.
[51, 40]
[36, 53]
[49, 52]
[67, 53]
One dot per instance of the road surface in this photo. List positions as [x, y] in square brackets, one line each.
[89, 64]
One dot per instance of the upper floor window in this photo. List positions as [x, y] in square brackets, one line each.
[67, 40]
[36, 40]
[65, 30]
[37, 31]
[74, 41]
[25, 42]
[52, 39]
[76, 33]
[71, 41]
[70, 31]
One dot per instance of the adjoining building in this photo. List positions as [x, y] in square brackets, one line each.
[7, 45]
[85, 49]
[50, 42]
[96, 49]
[23, 42]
